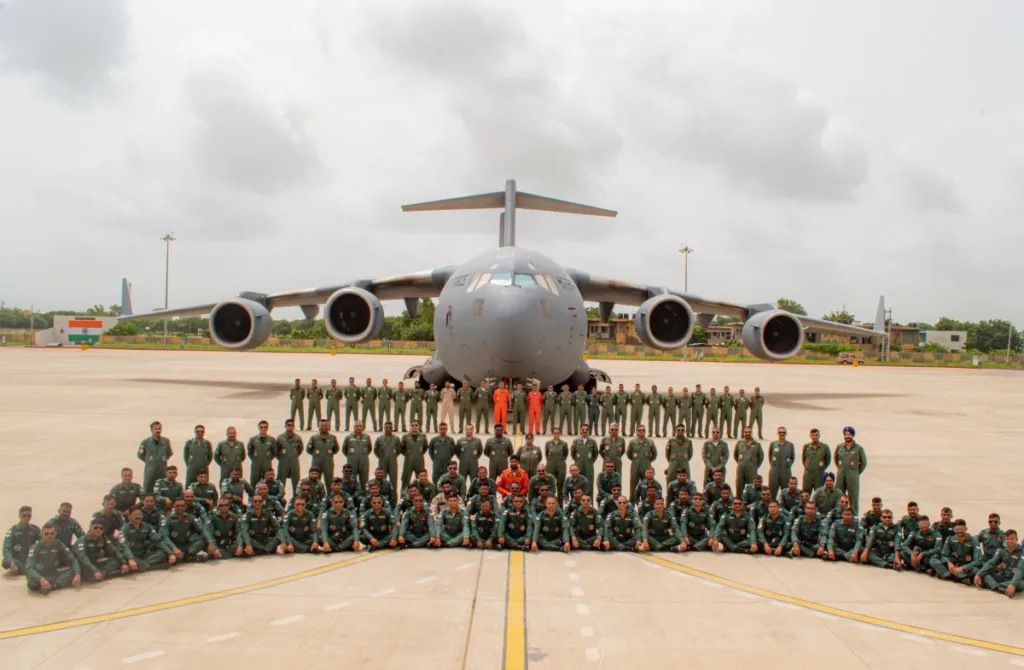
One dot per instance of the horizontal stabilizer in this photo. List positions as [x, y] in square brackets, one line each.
[496, 200]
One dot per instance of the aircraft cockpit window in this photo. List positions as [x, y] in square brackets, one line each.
[548, 283]
[502, 279]
[523, 279]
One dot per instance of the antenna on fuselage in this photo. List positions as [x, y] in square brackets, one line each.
[510, 199]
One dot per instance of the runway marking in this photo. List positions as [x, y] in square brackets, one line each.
[184, 602]
[515, 614]
[573, 577]
[570, 564]
[593, 654]
[1019, 663]
[587, 631]
[381, 594]
[841, 613]
[337, 606]
[465, 566]
[424, 580]
[576, 592]
[923, 640]
[145, 656]
[223, 638]
[970, 651]
[582, 609]
[285, 621]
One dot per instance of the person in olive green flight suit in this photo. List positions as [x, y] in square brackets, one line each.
[739, 421]
[700, 402]
[22, 536]
[453, 524]
[517, 417]
[685, 405]
[100, 557]
[297, 395]
[726, 403]
[530, 456]
[154, 451]
[412, 450]
[515, 530]
[50, 564]
[464, 397]
[659, 530]
[442, 450]
[229, 454]
[845, 539]
[642, 452]
[715, 454]
[352, 395]
[960, 558]
[773, 531]
[584, 452]
[655, 401]
[882, 548]
[298, 531]
[315, 395]
[714, 405]
[357, 449]
[548, 410]
[637, 400]
[262, 449]
[749, 455]
[417, 529]
[386, 449]
[670, 405]
[807, 533]
[921, 546]
[333, 396]
[197, 454]
[260, 529]
[368, 397]
[621, 528]
[289, 450]
[563, 410]
[550, 529]
[323, 446]
[757, 410]
[556, 453]
[378, 527]
[482, 406]
[851, 461]
[497, 449]
[338, 527]
[579, 409]
[621, 405]
[469, 449]
[401, 400]
[385, 397]
[416, 398]
[607, 410]
[1003, 571]
[613, 447]
[593, 408]
[678, 452]
[816, 459]
[781, 454]
[432, 397]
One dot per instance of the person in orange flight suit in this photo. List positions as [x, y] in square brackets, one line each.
[501, 398]
[534, 400]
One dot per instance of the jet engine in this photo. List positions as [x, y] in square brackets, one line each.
[774, 335]
[240, 324]
[353, 315]
[664, 322]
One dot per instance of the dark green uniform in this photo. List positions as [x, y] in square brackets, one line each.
[547, 411]
[816, 460]
[155, 454]
[714, 406]
[883, 545]
[323, 449]
[126, 495]
[621, 532]
[442, 451]
[655, 403]
[966, 555]
[432, 397]
[556, 454]
[297, 395]
[808, 534]
[469, 450]
[417, 528]
[226, 532]
[55, 563]
[412, 449]
[530, 457]
[700, 402]
[352, 395]
[18, 541]
[484, 528]
[684, 403]
[385, 397]
[850, 464]
[1003, 569]
[563, 412]
[198, 454]
[464, 397]
[613, 450]
[757, 413]
[482, 408]
[679, 452]
[608, 402]
[637, 400]
[845, 540]
[146, 546]
[660, 532]
[669, 408]
[584, 452]
[379, 527]
[357, 450]
[586, 527]
[401, 400]
[739, 422]
[240, 491]
[299, 530]
[774, 531]
[368, 395]
[497, 450]
[697, 525]
[715, 455]
[262, 451]
[579, 408]
[103, 556]
[386, 449]
[167, 492]
[737, 533]
[333, 396]
[726, 403]
[748, 460]
[642, 453]
[289, 449]
[550, 531]
[68, 530]
[228, 455]
[452, 527]
[517, 414]
[605, 484]
[315, 395]
[780, 465]
[516, 528]
[416, 397]
[338, 530]
[261, 531]
[827, 499]
[926, 544]
[990, 542]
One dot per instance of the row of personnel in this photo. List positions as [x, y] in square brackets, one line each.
[529, 409]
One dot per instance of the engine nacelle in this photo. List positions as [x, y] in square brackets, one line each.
[353, 315]
[773, 336]
[664, 322]
[240, 324]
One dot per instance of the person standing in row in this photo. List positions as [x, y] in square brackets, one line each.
[501, 401]
[556, 452]
[816, 459]
[357, 449]
[386, 449]
[447, 399]
[740, 420]
[333, 396]
[482, 406]
[289, 449]
[385, 396]
[781, 454]
[621, 403]
[637, 400]
[497, 450]
[416, 396]
[261, 449]
[550, 402]
[413, 448]
[757, 410]
[431, 398]
[678, 452]
[613, 447]
[469, 449]
[714, 408]
[352, 395]
[749, 456]
[315, 395]
[715, 454]
[655, 401]
[564, 410]
[465, 397]
[593, 409]
[198, 454]
[607, 410]
[401, 400]
[579, 406]
[851, 461]
[584, 452]
[700, 402]
[322, 447]
[685, 405]
[369, 399]
[229, 454]
[154, 451]
[726, 402]
[297, 395]
[442, 450]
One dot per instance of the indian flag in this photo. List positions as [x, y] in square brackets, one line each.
[84, 330]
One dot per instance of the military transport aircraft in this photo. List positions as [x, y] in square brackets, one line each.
[509, 313]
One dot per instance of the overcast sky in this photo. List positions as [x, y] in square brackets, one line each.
[820, 152]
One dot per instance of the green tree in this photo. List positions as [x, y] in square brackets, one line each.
[125, 328]
[791, 306]
[841, 316]
[593, 313]
[726, 320]
[700, 335]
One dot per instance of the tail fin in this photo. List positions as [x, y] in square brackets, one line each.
[880, 315]
[510, 199]
[126, 298]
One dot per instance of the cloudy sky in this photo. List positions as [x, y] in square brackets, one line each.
[804, 150]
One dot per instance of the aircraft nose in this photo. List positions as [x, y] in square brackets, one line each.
[512, 317]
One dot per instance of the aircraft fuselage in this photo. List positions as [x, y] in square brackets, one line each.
[510, 313]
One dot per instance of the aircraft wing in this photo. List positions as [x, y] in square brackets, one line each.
[614, 291]
[425, 284]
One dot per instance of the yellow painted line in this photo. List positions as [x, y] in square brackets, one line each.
[185, 602]
[840, 613]
[515, 613]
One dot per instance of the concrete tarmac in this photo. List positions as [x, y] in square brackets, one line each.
[69, 420]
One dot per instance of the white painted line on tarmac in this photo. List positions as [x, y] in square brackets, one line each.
[868, 627]
[145, 656]
[822, 615]
[587, 631]
[748, 596]
[652, 565]
[223, 638]
[785, 606]
[380, 594]
[712, 585]
[593, 654]
[576, 592]
[916, 638]
[465, 566]
[570, 564]
[573, 577]
[337, 606]
[970, 651]
[493, 555]
[1019, 663]
[284, 621]
[582, 609]
[425, 580]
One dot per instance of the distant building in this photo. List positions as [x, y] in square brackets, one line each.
[71, 330]
[619, 330]
[952, 340]
[719, 335]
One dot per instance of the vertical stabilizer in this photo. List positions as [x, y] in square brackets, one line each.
[126, 298]
[880, 315]
[510, 214]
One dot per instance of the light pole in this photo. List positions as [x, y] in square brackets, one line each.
[686, 250]
[1009, 341]
[168, 238]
